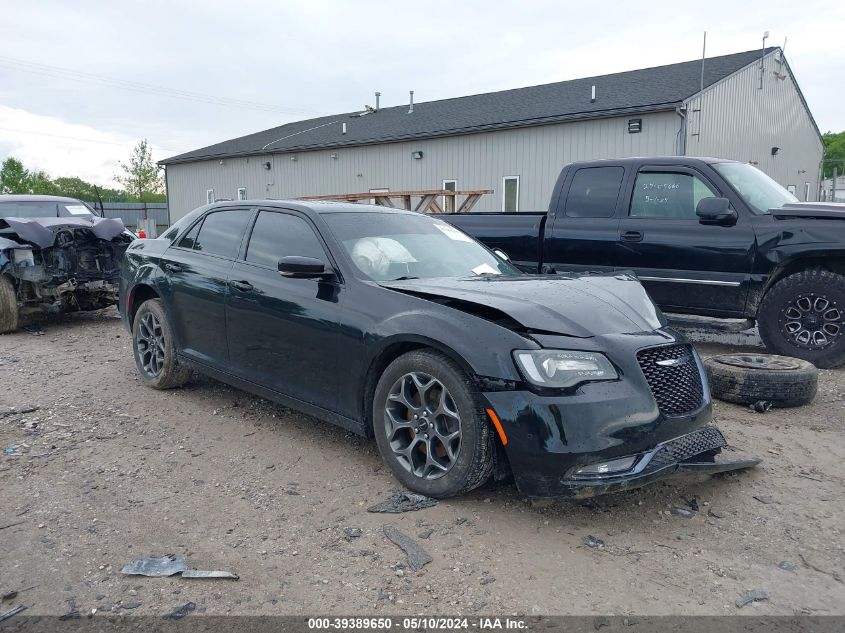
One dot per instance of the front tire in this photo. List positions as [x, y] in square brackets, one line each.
[431, 427]
[155, 349]
[9, 314]
[803, 315]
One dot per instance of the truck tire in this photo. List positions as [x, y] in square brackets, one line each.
[9, 315]
[803, 315]
[750, 378]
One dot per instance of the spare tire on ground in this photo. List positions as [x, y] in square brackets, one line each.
[750, 378]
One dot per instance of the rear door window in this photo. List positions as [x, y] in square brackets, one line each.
[278, 235]
[220, 233]
[594, 192]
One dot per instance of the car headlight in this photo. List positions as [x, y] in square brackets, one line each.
[556, 368]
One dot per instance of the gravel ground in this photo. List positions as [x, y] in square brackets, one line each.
[105, 471]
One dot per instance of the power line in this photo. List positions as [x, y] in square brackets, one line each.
[84, 140]
[60, 72]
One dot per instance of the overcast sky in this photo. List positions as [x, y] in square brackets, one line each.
[83, 81]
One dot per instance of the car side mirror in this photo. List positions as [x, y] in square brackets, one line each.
[501, 254]
[716, 211]
[302, 267]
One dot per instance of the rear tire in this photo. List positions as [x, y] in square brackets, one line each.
[750, 378]
[9, 313]
[803, 315]
[155, 349]
[430, 425]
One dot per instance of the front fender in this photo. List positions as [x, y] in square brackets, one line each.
[481, 347]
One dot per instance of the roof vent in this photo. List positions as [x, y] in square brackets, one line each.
[378, 98]
[343, 128]
[593, 95]
[411, 106]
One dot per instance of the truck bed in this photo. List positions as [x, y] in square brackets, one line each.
[517, 234]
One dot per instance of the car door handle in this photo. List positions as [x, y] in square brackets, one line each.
[243, 286]
[173, 268]
[632, 236]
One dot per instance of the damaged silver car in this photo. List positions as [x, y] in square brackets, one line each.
[56, 255]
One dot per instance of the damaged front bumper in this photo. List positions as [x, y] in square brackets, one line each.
[699, 452]
[611, 436]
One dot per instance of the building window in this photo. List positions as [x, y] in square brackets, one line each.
[209, 196]
[449, 201]
[806, 192]
[373, 200]
[510, 194]
[241, 193]
[791, 189]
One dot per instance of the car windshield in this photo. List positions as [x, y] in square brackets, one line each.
[756, 188]
[387, 246]
[44, 209]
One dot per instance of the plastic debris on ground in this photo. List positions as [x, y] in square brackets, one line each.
[761, 406]
[170, 565]
[417, 556]
[180, 612]
[403, 502]
[5, 615]
[593, 542]
[758, 595]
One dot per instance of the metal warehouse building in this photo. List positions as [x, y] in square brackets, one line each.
[515, 142]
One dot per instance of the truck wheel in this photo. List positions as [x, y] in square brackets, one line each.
[9, 315]
[155, 349]
[803, 315]
[430, 427]
[750, 378]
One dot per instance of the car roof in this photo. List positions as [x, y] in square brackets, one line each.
[319, 207]
[33, 198]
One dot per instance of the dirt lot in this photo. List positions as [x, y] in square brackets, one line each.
[106, 471]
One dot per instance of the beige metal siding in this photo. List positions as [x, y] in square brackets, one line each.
[476, 161]
[738, 120]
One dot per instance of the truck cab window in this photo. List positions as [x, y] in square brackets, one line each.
[593, 192]
[668, 195]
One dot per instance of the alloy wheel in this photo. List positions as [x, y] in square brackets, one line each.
[423, 425]
[811, 321]
[150, 345]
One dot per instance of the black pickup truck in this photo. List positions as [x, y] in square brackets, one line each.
[706, 236]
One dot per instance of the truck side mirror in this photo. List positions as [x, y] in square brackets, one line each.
[716, 211]
[501, 254]
[301, 267]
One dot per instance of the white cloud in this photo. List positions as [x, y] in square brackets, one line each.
[65, 149]
[326, 56]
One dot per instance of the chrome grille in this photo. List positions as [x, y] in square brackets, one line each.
[674, 378]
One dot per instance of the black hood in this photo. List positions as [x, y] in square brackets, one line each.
[42, 231]
[577, 305]
[819, 210]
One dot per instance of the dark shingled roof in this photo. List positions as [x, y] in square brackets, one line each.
[649, 89]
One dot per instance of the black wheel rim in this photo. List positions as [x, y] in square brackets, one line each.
[150, 344]
[811, 321]
[423, 425]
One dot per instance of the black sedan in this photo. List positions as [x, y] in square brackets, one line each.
[399, 326]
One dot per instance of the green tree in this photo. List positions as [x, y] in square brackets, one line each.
[14, 178]
[140, 175]
[40, 184]
[834, 153]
